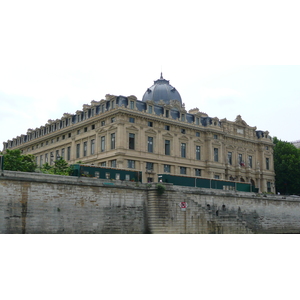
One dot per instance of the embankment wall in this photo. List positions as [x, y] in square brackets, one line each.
[40, 203]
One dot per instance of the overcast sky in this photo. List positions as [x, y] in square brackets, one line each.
[224, 57]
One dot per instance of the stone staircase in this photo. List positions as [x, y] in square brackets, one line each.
[166, 217]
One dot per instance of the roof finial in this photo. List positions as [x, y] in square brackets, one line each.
[161, 77]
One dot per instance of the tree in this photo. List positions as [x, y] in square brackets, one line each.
[15, 161]
[60, 167]
[287, 167]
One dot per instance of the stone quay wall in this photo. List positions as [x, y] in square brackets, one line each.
[39, 203]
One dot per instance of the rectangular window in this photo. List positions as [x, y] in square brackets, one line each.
[131, 140]
[113, 163]
[102, 108]
[150, 124]
[51, 158]
[183, 170]
[77, 150]
[102, 143]
[92, 146]
[112, 141]
[167, 147]
[131, 164]
[240, 159]
[183, 149]
[215, 137]
[216, 154]
[57, 154]
[93, 126]
[112, 104]
[167, 168]
[85, 149]
[149, 166]
[46, 158]
[250, 161]
[103, 164]
[197, 172]
[85, 129]
[102, 123]
[150, 109]
[112, 120]
[131, 120]
[229, 158]
[183, 131]
[197, 121]
[167, 127]
[41, 160]
[131, 104]
[217, 177]
[63, 137]
[198, 152]
[69, 134]
[63, 153]
[167, 113]
[150, 144]
[269, 187]
[68, 153]
[182, 117]
[267, 163]
[197, 134]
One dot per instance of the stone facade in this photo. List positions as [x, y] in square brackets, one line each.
[40, 203]
[154, 137]
[296, 144]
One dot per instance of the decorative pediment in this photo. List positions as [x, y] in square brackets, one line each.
[167, 135]
[150, 131]
[150, 102]
[132, 128]
[240, 121]
[94, 102]
[176, 104]
[132, 97]
[216, 143]
[197, 141]
[230, 147]
[183, 138]
[110, 97]
[112, 128]
[101, 130]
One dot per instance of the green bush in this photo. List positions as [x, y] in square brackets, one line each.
[160, 188]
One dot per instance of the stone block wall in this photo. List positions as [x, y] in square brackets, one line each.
[39, 203]
[31, 203]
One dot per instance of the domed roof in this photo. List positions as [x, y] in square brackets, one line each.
[162, 90]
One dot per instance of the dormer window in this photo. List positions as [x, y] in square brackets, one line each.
[182, 118]
[112, 104]
[150, 109]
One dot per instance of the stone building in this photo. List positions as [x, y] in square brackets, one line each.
[296, 144]
[154, 135]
